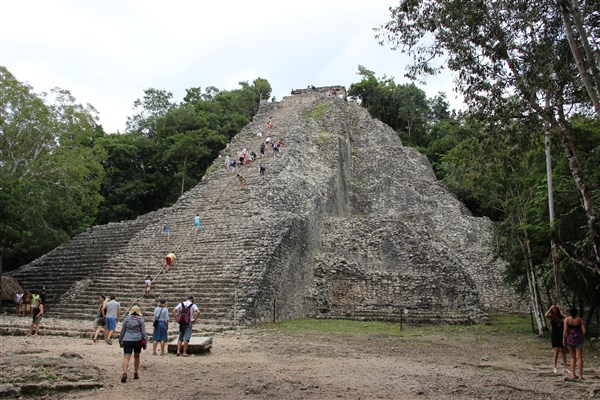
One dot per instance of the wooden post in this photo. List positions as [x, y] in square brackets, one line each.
[401, 313]
[532, 324]
[1, 271]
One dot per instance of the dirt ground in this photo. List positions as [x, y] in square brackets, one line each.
[268, 364]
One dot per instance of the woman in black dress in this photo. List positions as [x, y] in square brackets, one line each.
[556, 317]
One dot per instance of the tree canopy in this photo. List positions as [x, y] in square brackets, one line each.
[50, 169]
[513, 59]
[60, 173]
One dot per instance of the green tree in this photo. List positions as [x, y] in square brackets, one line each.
[405, 107]
[506, 50]
[135, 182]
[150, 108]
[50, 169]
[263, 87]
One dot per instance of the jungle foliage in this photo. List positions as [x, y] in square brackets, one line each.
[522, 67]
[60, 173]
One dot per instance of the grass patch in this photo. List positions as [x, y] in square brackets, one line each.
[334, 326]
[319, 110]
[326, 139]
[516, 325]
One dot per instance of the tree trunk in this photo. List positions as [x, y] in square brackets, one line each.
[551, 209]
[586, 196]
[593, 59]
[581, 67]
[538, 312]
[183, 175]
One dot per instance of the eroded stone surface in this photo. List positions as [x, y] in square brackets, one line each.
[346, 223]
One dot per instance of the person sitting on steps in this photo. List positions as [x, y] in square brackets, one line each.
[148, 284]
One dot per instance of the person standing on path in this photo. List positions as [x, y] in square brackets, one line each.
[556, 317]
[197, 223]
[99, 322]
[133, 339]
[186, 313]
[573, 335]
[27, 299]
[38, 311]
[161, 326]
[18, 302]
[112, 312]
[171, 259]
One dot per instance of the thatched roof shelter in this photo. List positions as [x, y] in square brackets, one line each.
[9, 287]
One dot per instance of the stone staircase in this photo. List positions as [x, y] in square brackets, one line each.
[235, 242]
[346, 223]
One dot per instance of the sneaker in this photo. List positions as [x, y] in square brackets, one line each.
[109, 341]
[124, 378]
[136, 376]
[555, 371]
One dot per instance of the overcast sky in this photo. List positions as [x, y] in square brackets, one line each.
[108, 52]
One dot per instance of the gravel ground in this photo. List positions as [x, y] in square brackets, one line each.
[267, 364]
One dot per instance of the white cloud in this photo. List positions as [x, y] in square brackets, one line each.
[108, 52]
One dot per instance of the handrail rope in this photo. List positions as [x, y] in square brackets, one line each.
[188, 235]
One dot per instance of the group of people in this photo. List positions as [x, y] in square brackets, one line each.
[567, 333]
[133, 336]
[246, 158]
[31, 303]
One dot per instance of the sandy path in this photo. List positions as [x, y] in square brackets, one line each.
[261, 364]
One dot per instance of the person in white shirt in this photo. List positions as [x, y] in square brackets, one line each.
[186, 313]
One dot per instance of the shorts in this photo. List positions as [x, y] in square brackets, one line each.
[160, 332]
[185, 333]
[197, 224]
[111, 323]
[168, 261]
[575, 346]
[37, 320]
[132, 347]
[99, 321]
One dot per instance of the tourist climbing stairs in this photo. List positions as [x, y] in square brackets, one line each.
[229, 250]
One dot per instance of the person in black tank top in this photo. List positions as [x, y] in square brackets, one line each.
[556, 317]
[38, 311]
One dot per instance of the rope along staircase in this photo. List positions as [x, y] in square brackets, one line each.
[116, 258]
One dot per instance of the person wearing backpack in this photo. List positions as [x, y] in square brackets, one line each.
[186, 313]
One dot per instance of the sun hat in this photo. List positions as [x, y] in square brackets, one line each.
[135, 310]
